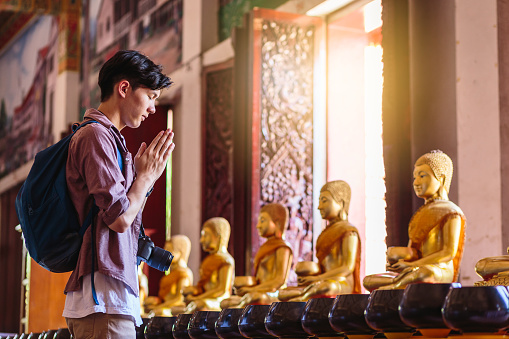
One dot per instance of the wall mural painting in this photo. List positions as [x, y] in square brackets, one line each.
[150, 26]
[287, 128]
[29, 73]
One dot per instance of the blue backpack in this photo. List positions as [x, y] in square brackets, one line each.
[48, 218]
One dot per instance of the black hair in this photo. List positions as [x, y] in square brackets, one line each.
[134, 67]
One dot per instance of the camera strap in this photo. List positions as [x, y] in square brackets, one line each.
[140, 235]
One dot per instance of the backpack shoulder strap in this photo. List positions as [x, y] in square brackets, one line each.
[93, 211]
[77, 126]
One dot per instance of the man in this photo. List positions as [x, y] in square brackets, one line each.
[103, 302]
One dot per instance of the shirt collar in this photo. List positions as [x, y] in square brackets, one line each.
[94, 114]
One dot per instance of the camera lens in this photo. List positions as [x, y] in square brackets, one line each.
[160, 259]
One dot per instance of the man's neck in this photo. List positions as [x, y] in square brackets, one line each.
[111, 112]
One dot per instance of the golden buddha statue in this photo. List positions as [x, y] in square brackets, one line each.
[272, 262]
[338, 250]
[436, 232]
[493, 270]
[170, 300]
[216, 270]
[143, 288]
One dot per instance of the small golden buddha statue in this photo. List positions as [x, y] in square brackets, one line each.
[338, 250]
[493, 270]
[170, 300]
[216, 270]
[436, 232]
[272, 262]
[143, 288]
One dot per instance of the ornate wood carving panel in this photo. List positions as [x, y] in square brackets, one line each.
[286, 127]
[282, 123]
[217, 185]
[273, 124]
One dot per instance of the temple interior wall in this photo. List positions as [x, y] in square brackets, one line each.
[454, 103]
[478, 131]
[458, 103]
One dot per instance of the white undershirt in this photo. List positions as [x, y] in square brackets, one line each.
[114, 297]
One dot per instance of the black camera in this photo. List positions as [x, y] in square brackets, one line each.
[154, 256]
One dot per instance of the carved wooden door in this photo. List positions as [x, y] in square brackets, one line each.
[274, 71]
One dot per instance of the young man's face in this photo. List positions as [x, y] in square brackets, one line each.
[137, 105]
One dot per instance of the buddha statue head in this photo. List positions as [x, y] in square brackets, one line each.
[334, 201]
[433, 175]
[215, 235]
[180, 246]
[273, 220]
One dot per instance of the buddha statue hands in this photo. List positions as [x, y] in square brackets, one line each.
[216, 270]
[398, 258]
[271, 264]
[170, 299]
[307, 272]
[337, 249]
[436, 232]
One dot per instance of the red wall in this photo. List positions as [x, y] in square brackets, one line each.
[154, 214]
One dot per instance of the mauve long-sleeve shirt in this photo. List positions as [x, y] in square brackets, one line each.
[93, 173]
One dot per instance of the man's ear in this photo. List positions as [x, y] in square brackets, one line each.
[123, 87]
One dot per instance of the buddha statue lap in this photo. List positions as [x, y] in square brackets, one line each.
[493, 270]
[170, 300]
[272, 262]
[436, 232]
[216, 270]
[337, 249]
